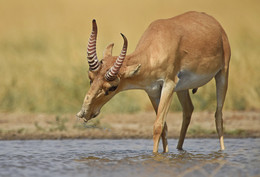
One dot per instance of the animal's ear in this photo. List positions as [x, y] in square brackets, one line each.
[108, 50]
[130, 71]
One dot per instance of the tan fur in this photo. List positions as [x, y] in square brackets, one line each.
[176, 54]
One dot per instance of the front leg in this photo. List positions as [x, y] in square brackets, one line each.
[159, 124]
[164, 138]
[154, 96]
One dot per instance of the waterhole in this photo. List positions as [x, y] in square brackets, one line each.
[118, 158]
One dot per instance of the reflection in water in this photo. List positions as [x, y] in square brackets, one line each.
[128, 158]
[163, 164]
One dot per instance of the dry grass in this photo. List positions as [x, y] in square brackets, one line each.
[43, 47]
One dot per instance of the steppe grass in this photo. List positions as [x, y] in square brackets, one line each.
[43, 51]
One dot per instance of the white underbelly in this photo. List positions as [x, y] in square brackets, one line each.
[189, 80]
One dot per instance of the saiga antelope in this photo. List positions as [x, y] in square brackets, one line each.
[173, 55]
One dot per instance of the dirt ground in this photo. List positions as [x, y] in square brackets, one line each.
[115, 126]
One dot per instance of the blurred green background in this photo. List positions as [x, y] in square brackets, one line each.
[43, 65]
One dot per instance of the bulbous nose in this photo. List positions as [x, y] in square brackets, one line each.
[81, 114]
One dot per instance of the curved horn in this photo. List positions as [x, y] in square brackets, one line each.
[114, 70]
[91, 52]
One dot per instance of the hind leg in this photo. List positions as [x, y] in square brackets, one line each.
[187, 106]
[221, 86]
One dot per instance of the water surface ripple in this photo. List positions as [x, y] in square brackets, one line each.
[117, 158]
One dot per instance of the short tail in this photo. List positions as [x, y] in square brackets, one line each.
[194, 90]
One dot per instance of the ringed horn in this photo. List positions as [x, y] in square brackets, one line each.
[114, 70]
[91, 51]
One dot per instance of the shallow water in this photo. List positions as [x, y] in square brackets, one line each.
[129, 158]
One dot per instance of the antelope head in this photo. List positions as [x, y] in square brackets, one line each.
[104, 76]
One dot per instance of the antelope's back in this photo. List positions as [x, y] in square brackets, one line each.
[185, 40]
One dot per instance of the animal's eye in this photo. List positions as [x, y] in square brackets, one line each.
[113, 88]
[90, 82]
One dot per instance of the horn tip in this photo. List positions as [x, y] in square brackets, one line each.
[123, 36]
[94, 25]
[125, 39]
[94, 22]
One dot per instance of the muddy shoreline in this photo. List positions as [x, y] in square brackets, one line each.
[20, 126]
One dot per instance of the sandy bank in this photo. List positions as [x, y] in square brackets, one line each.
[114, 126]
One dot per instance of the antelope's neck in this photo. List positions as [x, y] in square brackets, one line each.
[145, 77]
